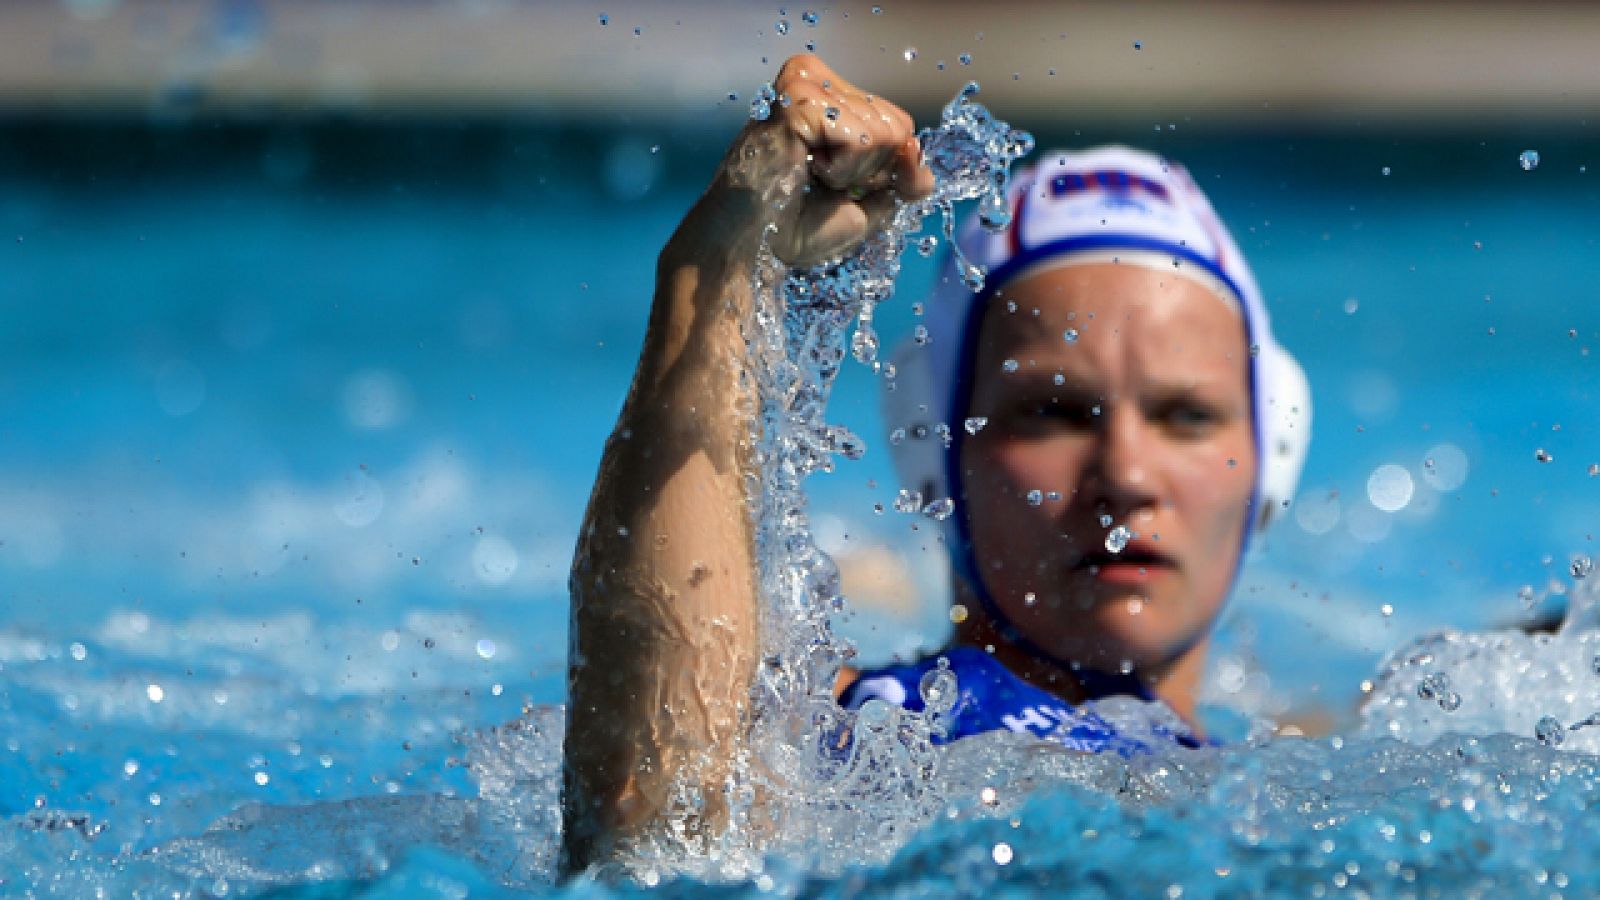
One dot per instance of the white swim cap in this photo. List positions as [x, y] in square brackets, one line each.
[1105, 204]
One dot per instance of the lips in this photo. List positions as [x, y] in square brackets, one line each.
[1137, 555]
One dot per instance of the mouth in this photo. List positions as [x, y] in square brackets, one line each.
[1138, 561]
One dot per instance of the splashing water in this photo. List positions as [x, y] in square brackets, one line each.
[1473, 771]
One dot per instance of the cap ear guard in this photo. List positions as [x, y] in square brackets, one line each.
[1283, 410]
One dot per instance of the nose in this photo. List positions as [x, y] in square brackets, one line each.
[1121, 466]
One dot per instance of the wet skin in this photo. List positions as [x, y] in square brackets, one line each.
[1145, 418]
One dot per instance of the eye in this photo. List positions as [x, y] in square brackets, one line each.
[1188, 417]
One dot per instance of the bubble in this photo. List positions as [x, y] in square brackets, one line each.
[1433, 686]
[908, 501]
[940, 509]
[1118, 539]
[1389, 487]
[1549, 731]
[1070, 335]
[1009, 366]
[1317, 512]
[494, 559]
[1528, 160]
[864, 345]
[1582, 566]
[938, 688]
[180, 388]
[974, 424]
[1002, 854]
[1445, 467]
[1035, 497]
[362, 502]
[376, 399]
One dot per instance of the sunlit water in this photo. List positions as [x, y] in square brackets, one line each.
[230, 755]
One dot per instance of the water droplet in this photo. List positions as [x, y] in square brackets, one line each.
[1138, 45]
[938, 689]
[1595, 664]
[1070, 335]
[966, 59]
[809, 17]
[1528, 160]
[1582, 566]
[1002, 854]
[605, 19]
[910, 54]
[897, 436]
[958, 613]
[1351, 305]
[1030, 599]
[1009, 366]
[877, 10]
[1450, 701]
[1386, 171]
[864, 346]
[927, 245]
[1543, 455]
[79, 651]
[781, 26]
[975, 424]
[1035, 497]
[1594, 469]
[832, 112]
[1386, 610]
[1435, 687]
[908, 501]
[155, 692]
[919, 335]
[1105, 520]
[989, 796]
[1117, 540]
[940, 509]
[1550, 731]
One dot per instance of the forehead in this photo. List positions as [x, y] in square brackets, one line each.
[1122, 317]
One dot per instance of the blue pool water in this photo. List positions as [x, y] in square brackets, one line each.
[296, 427]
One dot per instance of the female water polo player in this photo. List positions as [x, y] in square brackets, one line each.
[1131, 421]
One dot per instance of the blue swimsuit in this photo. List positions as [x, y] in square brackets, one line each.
[991, 698]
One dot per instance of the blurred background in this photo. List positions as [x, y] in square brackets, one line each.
[314, 316]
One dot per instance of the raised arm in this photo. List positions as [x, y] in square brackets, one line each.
[663, 627]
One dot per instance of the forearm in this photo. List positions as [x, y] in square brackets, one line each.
[663, 587]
